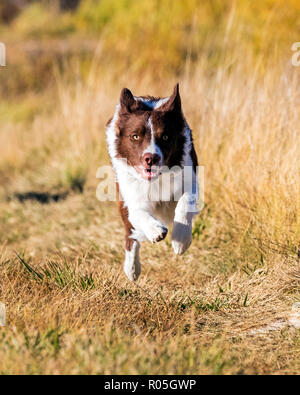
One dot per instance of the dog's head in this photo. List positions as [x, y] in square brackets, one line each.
[150, 132]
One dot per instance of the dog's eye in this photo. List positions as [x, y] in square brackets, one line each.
[165, 137]
[135, 137]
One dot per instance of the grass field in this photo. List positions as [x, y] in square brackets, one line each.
[225, 306]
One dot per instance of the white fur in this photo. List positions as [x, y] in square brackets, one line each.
[149, 218]
[154, 104]
[186, 207]
[152, 147]
[132, 265]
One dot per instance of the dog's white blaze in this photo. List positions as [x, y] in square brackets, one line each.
[153, 148]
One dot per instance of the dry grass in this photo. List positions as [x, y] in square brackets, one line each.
[70, 308]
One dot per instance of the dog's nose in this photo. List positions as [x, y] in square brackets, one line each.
[151, 159]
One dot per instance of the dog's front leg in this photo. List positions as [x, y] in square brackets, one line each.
[146, 225]
[182, 228]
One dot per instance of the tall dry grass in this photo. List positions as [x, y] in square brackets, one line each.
[245, 124]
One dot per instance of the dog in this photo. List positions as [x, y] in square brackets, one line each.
[152, 153]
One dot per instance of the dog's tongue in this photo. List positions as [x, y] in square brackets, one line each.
[149, 173]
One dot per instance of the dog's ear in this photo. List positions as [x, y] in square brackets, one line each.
[174, 103]
[127, 100]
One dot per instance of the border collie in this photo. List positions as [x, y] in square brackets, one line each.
[152, 153]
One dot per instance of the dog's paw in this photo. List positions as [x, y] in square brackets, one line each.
[156, 232]
[181, 237]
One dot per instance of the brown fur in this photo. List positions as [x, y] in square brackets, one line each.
[128, 125]
[133, 120]
[127, 225]
[167, 120]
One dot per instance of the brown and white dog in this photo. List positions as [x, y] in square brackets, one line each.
[151, 148]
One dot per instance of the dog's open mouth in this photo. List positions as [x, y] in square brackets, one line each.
[149, 173]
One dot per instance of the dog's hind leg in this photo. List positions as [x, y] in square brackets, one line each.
[132, 265]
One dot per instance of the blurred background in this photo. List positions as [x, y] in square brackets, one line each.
[67, 61]
[165, 37]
